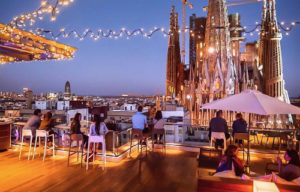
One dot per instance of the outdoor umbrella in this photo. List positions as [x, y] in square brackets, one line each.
[252, 101]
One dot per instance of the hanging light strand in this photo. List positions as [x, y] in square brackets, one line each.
[110, 33]
[88, 33]
[46, 7]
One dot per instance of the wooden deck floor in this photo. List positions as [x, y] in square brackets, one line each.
[176, 171]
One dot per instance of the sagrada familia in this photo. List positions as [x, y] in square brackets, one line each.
[217, 67]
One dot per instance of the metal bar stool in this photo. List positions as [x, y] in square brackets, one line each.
[44, 134]
[26, 133]
[94, 140]
[159, 132]
[139, 134]
[77, 138]
[241, 136]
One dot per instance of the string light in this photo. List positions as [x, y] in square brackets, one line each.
[46, 7]
[88, 33]
[123, 32]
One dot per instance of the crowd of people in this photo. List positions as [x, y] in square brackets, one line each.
[229, 161]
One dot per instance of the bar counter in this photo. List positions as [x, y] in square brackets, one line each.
[5, 135]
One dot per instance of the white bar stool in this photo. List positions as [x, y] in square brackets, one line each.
[218, 135]
[45, 135]
[26, 133]
[96, 139]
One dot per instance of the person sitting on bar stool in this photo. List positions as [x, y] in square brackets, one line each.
[239, 126]
[139, 124]
[98, 128]
[47, 124]
[158, 128]
[34, 121]
[75, 128]
[218, 124]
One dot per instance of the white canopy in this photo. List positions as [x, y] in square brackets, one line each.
[252, 101]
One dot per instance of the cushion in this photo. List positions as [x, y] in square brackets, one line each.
[280, 180]
[227, 174]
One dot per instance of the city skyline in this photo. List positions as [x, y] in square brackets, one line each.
[146, 64]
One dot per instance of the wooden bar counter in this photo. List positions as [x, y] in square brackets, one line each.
[5, 135]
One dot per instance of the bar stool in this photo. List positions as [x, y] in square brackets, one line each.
[44, 134]
[26, 133]
[255, 136]
[77, 138]
[96, 139]
[241, 136]
[159, 132]
[218, 135]
[139, 134]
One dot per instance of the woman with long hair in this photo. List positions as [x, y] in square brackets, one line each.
[292, 170]
[96, 129]
[158, 128]
[47, 123]
[75, 128]
[230, 161]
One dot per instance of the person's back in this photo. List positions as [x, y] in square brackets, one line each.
[218, 124]
[139, 120]
[158, 124]
[239, 125]
[34, 121]
[47, 123]
[102, 131]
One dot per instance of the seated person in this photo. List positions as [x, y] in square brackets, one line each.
[239, 126]
[47, 123]
[218, 124]
[292, 170]
[158, 128]
[98, 127]
[230, 161]
[34, 121]
[139, 124]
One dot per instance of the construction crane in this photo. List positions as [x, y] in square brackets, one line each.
[184, 3]
[237, 3]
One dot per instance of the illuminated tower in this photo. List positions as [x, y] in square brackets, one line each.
[270, 53]
[67, 94]
[175, 69]
[219, 71]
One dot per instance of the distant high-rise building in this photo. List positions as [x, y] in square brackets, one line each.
[175, 69]
[67, 94]
[28, 95]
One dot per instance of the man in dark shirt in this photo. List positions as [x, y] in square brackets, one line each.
[218, 124]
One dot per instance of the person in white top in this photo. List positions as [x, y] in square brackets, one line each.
[158, 128]
[98, 128]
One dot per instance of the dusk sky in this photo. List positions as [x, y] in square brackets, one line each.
[137, 65]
